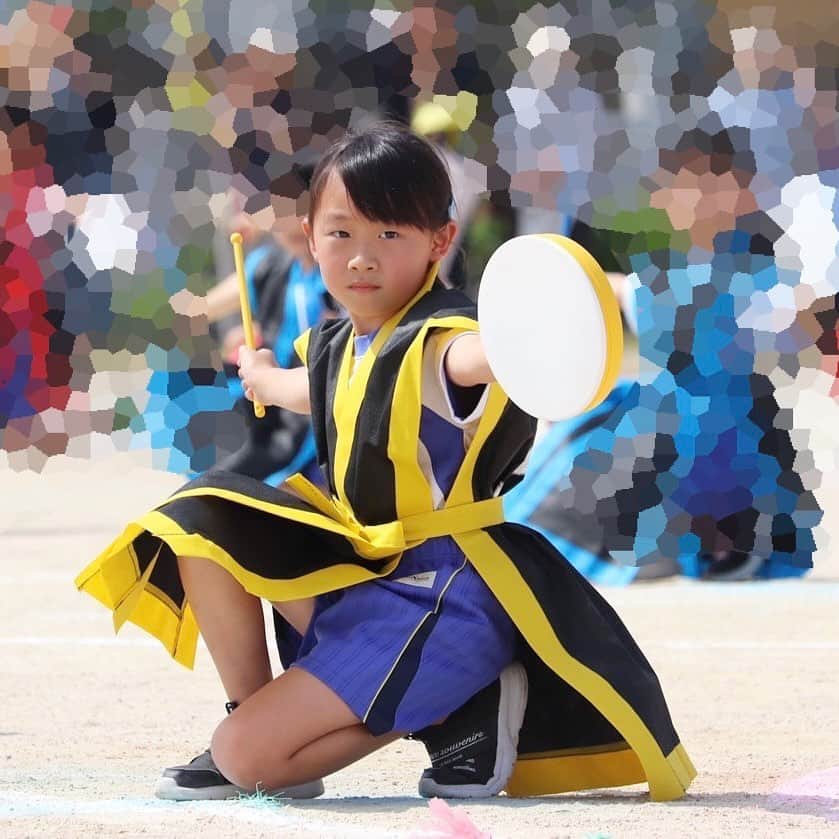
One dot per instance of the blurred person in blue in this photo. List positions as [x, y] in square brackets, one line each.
[692, 469]
[287, 296]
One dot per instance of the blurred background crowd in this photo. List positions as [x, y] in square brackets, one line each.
[693, 147]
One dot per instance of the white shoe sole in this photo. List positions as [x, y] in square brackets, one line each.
[168, 790]
[510, 717]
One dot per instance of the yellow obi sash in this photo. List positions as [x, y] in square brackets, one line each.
[380, 540]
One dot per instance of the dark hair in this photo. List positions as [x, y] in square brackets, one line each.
[304, 172]
[391, 175]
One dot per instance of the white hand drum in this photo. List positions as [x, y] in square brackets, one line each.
[550, 325]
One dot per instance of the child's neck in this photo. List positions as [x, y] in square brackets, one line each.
[367, 326]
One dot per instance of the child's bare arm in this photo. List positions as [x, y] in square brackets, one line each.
[466, 362]
[266, 382]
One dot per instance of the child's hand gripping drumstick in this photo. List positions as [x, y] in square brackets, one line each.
[244, 303]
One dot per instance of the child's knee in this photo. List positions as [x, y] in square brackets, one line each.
[235, 755]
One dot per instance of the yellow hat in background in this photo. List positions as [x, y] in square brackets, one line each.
[447, 115]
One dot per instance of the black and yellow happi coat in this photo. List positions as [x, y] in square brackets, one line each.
[596, 716]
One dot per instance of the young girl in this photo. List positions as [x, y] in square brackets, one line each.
[420, 610]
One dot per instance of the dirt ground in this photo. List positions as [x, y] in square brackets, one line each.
[88, 720]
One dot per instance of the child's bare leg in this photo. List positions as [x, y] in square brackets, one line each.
[231, 623]
[292, 731]
[297, 612]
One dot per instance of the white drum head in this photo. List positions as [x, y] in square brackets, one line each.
[550, 325]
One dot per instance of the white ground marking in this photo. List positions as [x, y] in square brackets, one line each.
[15, 805]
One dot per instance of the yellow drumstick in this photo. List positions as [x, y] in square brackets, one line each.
[244, 303]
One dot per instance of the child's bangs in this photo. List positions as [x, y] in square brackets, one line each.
[389, 186]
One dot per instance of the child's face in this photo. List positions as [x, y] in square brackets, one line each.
[372, 268]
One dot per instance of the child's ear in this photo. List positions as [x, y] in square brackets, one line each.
[442, 240]
[307, 230]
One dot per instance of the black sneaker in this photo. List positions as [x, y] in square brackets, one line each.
[200, 780]
[474, 751]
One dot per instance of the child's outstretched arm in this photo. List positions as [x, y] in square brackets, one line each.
[270, 384]
[466, 362]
